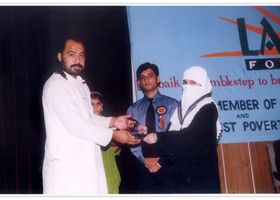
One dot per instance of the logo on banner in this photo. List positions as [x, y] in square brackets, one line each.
[270, 43]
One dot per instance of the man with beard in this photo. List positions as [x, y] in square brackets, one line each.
[73, 162]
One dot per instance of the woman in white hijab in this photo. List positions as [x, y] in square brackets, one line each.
[191, 142]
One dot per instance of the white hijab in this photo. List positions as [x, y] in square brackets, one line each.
[192, 93]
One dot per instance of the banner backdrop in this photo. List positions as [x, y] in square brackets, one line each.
[239, 46]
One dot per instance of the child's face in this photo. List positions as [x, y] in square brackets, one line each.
[97, 106]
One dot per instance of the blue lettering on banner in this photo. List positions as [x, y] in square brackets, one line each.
[267, 30]
[262, 64]
[249, 104]
[266, 125]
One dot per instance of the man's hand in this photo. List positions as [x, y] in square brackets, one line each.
[119, 122]
[124, 137]
[152, 164]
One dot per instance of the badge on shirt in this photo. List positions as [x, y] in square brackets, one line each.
[161, 110]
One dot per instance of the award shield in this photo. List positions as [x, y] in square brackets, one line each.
[133, 127]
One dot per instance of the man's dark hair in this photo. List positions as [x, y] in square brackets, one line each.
[77, 37]
[146, 66]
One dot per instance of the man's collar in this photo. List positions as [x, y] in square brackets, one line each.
[154, 97]
[70, 77]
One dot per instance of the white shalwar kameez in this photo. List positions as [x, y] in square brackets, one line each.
[73, 162]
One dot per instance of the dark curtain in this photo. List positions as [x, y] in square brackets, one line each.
[28, 38]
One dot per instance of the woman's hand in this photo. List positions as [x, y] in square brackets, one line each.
[150, 138]
[142, 130]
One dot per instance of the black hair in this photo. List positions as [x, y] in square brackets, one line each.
[146, 66]
[97, 95]
[77, 37]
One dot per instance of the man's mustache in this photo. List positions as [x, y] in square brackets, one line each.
[77, 65]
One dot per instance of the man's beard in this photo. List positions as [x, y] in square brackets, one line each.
[74, 73]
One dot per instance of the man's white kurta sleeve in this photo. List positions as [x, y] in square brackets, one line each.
[70, 108]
